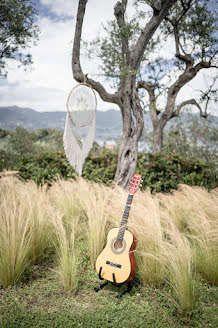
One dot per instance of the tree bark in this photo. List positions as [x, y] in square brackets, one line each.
[133, 124]
[158, 137]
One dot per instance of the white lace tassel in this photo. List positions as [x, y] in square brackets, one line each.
[77, 143]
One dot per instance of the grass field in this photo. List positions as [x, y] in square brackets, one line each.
[50, 238]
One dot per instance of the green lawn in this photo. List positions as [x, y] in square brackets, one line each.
[41, 301]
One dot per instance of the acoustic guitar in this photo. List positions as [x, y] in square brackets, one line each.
[116, 262]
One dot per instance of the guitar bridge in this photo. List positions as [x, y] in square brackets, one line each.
[114, 264]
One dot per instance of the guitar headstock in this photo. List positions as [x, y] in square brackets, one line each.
[137, 178]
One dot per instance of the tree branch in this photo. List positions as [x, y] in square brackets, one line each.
[150, 87]
[186, 8]
[160, 8]
[175, 22]
[78, 74]
[189, 73]
[119, 12]
[189, 102]
[187, 58]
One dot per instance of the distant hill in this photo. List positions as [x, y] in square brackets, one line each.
[108, 123]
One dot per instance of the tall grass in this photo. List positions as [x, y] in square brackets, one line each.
[178, 261]
[25, 227]
[93, 199]
[63, 197]
[145, 222]
[194, 212]
[205, 248]
[15, 240]
[67, 259]
[176, 233]
[36, 202]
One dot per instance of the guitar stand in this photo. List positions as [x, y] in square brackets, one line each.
[129, 285]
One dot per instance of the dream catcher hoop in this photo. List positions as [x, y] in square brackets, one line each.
[79, 132]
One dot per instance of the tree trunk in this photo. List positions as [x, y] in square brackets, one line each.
[158, 136]
[133, 124]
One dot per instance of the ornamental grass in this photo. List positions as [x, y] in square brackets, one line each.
[176, 233]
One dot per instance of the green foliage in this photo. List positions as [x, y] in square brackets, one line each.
[197, 29]
[100, 167]
[4, 133]
[7, 159]
[17, 29]
[46, 167]
[22, 142]
[38, 155]
[163, 172]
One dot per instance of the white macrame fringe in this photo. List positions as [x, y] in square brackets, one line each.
[77, 143]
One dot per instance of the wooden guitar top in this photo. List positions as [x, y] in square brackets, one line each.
[115, 261]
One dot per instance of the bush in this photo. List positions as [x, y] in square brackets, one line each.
[7, 159]
[161, 172]
[46, 167]
[100, 167]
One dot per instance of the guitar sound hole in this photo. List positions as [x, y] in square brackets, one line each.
[118, 245]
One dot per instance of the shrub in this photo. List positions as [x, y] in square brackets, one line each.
[163, 172]
[100, 167]
[46, 167]
[7, 159]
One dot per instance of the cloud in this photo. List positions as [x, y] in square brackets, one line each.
[44, 99]
[60, 7]
[51, 73]
[48, 84]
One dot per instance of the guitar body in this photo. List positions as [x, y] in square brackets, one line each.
[118, 263]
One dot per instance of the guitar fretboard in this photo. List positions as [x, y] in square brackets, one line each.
[125, 218]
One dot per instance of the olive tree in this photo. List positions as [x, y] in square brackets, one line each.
[126, 95]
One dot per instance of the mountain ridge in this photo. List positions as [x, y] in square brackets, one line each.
[108, 123]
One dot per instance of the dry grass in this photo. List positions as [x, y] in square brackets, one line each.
[177, 233]
[15, 239]
[37, 203]
[195, 211]
[65, 247]
[177, 257]
[93, 199]
[63, 197]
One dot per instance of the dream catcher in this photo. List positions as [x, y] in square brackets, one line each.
[79, 132]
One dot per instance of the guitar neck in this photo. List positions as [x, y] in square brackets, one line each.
[125, 218]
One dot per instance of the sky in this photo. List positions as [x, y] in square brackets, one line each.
[46, 84]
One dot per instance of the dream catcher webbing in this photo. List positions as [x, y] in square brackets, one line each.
[79, 132]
